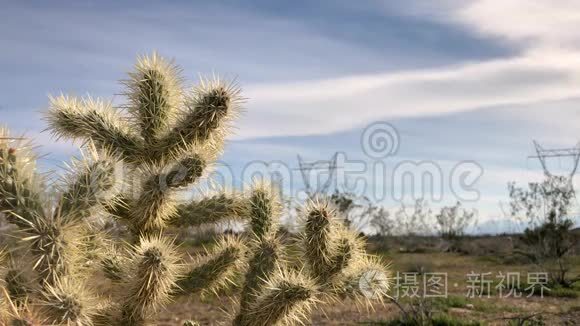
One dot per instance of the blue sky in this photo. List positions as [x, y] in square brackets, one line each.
[460, 80]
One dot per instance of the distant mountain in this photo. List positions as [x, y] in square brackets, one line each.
[506, 225]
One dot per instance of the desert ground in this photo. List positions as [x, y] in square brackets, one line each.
[423, 256]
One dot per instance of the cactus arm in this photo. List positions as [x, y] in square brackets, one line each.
[318, 238]
[204, 120]
[155, 206]
[287, 300]
[67, 302]
[260, 267]
[95, 120]
[54, 244]
[115, 265]
[155, 93]
[155, 269]
[210, 210]
[216, 270]
[20, 197]
[90, 182]
[265, 210]
[367, 280]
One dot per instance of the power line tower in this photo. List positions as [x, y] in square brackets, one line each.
[573, 152]
[324, 167]
[542, 154]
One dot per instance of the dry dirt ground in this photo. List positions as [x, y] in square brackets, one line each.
[488, 311]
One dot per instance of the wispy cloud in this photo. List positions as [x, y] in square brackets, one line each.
[324, 106]
[467, 79]
[547, 69]
[534, 23]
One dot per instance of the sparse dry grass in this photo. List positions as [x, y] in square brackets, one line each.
[490, 311]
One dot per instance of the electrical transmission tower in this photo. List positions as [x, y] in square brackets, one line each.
[324, 167]
[542, 154]
[573, 152]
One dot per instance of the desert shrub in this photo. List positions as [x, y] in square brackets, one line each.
[548, 239]
[452, 221]
[164, 139]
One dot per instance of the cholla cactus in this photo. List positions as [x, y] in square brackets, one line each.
[53, 230]
[166, 138]
[277, 292]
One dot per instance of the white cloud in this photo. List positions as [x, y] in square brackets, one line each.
[547, 70]
[324, 106]
[541, 23]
